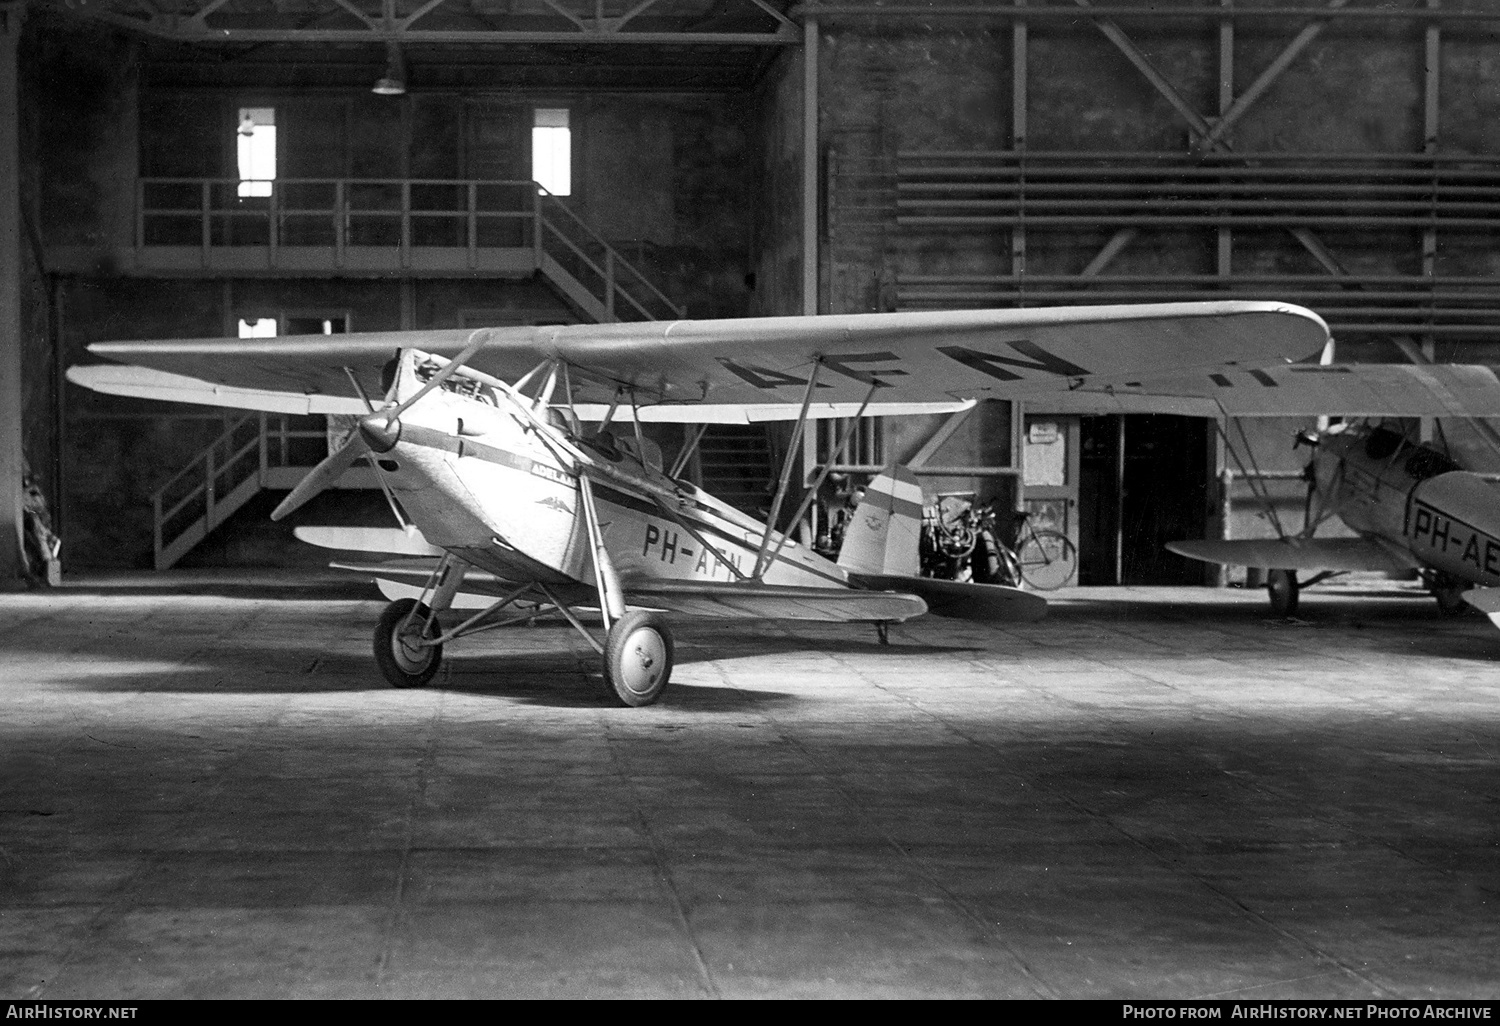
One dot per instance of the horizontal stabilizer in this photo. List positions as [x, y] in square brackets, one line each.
[391, 540]
[963, 600]
[1487, 601]
[394, 590]
[1345, 554]
[418, 569]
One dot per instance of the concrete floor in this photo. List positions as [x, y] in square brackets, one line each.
[206, 791]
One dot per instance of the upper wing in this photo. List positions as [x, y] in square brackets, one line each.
[1347, 390]
[1298, 554]
[921, 357]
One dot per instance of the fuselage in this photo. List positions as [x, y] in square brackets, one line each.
[477, 478]
[1412, 497]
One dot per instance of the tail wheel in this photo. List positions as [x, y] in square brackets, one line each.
[638, 658]
[1048, 560]
[1283, 588]
[400, 652]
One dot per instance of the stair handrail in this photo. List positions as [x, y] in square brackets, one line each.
[615, 260]
[211, 469]
[203, 455]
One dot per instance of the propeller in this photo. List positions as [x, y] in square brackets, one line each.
[376, 433]
[324, 474]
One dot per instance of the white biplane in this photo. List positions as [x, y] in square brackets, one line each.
[478, 436]
[1412, 508]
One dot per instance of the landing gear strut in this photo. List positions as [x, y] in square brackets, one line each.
[1282, 587]
[1449, 592]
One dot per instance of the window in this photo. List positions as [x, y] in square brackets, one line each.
[257, 327]
[316, 323]
[552, 151]
[256, 137]
[294, 322]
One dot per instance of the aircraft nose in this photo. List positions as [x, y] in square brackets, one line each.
[380, 434]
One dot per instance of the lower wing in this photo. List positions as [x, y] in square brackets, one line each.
[964, 600]
[774, 602]
[1299, 554]
[724, 600]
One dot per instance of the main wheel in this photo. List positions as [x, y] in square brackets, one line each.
[1283, 588]
[638, 658]
[1449, 592]
[405, 661]
[1048, 560]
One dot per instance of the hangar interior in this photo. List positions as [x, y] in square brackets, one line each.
[720, 160]
[207, 792]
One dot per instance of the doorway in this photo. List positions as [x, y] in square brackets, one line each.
[1144, 480]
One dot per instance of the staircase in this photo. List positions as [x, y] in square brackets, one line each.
[257, 450]
[260, 451]
[591, 273]
[738, 465]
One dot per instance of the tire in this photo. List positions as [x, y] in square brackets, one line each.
[1010, 568]
[1450, 599]
[1282, 587]
[638, 658]
[405, 665]
[1048, 560]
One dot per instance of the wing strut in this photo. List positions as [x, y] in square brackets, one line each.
[793, 451]
[834, 454]
[1257, 486]
[679, 464]
[611, 595]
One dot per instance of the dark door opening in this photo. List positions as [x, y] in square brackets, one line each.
[1164, 496]
[1099, 500]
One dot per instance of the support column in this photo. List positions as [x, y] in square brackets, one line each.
[12, 322]
[1226, 104]
[1019, 105]
[810, 147]
[1431, 126]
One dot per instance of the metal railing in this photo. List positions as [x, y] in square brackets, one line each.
[622, 287]
[223, 475]
[345, 222]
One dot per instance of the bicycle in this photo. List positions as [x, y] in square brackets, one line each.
[1044, 558]
[962, 544]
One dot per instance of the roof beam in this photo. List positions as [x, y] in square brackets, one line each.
[572, 27]
[997, 9]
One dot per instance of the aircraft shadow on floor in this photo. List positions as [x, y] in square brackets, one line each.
[332, 589]
[542, 666]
